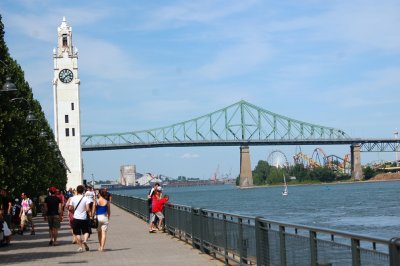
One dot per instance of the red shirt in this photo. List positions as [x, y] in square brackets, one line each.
[158, 204]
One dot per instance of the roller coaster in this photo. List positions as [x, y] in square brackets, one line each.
[320, 159]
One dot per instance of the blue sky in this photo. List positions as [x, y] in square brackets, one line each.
[146, 64]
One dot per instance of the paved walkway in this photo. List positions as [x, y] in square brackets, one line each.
[128, 243]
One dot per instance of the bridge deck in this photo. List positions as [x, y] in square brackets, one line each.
[128, 243]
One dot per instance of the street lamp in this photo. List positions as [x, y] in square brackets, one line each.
[31, 116]
[43, 134]
[8, 86]
[93, 181]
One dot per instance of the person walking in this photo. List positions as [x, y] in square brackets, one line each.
[71, 219]
[26, 214]
[103, 212]
[80, 226]
[15, 220]
[53, 213]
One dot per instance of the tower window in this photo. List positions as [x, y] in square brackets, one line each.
[64, 40]
[66, 119]
[73, 132]
[72, 106]
[67, 132]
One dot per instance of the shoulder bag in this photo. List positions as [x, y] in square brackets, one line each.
[94, 222]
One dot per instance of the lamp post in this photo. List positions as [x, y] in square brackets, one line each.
[8, 86]
[93, 181]
[31, 116]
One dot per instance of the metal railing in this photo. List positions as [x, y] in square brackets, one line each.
[248, 240]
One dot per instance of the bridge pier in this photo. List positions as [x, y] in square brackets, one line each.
[356, 169]
[246, 176]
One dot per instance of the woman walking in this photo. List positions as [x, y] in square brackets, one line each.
[103, 212]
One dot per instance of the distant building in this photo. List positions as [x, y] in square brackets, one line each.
[128, 175]
[147, 180]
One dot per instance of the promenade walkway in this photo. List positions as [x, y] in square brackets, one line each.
[128, 243]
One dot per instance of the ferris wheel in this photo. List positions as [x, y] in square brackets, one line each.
[278, 159]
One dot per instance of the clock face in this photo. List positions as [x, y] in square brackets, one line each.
[66, 75]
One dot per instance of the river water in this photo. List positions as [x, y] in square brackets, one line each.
[370, 208]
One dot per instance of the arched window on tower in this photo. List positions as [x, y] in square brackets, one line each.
[65, 40]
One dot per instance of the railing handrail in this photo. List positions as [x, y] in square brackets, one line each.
[249, 242]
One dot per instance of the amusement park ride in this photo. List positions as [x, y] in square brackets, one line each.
[320, 159]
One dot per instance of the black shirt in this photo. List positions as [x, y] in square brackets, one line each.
[52, 205]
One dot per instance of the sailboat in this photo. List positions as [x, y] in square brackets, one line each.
[285, 191]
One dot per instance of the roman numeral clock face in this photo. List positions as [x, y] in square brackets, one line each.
[66, 75]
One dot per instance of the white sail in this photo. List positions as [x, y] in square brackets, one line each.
[285, 191]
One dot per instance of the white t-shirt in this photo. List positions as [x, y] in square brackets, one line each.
[90, 195]
[80, 212]
[26, 206]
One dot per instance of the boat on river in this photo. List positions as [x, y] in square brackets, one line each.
[285, 191]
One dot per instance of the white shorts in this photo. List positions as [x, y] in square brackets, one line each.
[158, 214]
[103, 223]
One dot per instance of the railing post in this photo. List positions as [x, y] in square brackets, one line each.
[355, 252]
[262, 248]
[313, 248]
[225, 228]
[194, 224]
[282, 245]
[394, 251]
[202, 223]
[242, 245]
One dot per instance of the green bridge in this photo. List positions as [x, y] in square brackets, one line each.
[240, 124]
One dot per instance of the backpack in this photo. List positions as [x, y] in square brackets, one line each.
[15, 210]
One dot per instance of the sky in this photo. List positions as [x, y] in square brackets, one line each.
[148, 64]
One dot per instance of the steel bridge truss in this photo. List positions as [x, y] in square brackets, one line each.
[239, 123]
[379, 146]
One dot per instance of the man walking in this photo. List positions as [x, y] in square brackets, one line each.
[80, 226]
[26, 214]
[53, 214]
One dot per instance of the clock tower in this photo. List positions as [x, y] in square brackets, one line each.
[67, 122]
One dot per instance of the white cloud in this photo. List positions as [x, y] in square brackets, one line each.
[236, 60]
[188, 12]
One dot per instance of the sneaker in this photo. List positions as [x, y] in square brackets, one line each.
[86, 246]
[80, 249]
[51, 242]
[33, 233]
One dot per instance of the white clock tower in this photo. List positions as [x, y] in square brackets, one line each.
[67, 122]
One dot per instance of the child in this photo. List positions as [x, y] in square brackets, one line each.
[158, 207]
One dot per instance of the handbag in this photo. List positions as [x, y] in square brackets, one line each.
[94, 222]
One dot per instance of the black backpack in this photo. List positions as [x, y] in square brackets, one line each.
[15, 210]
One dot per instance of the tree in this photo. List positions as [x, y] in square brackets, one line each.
[260, 173]
[27, 162]
[368, 173]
